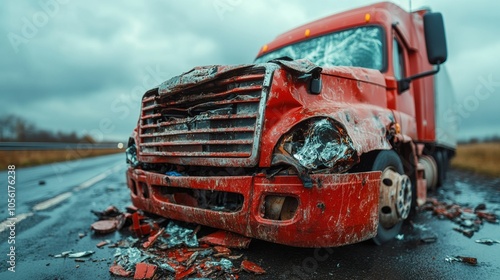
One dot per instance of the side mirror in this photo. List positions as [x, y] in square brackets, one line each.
[435, 38]
[435, 42]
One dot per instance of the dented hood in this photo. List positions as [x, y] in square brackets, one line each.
[204, 74]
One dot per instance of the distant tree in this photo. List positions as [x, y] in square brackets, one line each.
[88, 139]
[18, 129]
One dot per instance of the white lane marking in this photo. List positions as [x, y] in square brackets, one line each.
[96, 179]
[52, 202]
[8, 223]
[60, 198]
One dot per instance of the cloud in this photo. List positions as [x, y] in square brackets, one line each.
[88, 61]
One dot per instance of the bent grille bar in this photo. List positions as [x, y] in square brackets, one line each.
[210, 122]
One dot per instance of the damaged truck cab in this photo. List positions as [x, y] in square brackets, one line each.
[329, 138]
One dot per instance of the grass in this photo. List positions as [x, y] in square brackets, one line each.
[32, 158]
[482, 158]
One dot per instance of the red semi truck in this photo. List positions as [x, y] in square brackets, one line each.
[331, 137]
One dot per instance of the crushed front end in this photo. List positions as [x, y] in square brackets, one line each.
[210, 149]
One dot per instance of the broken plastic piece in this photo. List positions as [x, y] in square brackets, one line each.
[144, 271]
[81, 254]
[467, 232]
[227, 239]
[222, 250]
[102, 244]
[224, 264]
[138, 228]
[185, 273]
[428, 237]
[400, 237]
[63, 254]
[178, 236]
[468, 260]
[129, 257]
[152, 239]
[118, 270]
[487, 241]
[167, 267]
[104, 227]
[251, 267]
[489, 217]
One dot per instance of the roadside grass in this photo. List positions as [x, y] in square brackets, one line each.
[482, 158]
[32, 158]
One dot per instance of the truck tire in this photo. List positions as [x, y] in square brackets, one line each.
[389, 163]
[441, 159]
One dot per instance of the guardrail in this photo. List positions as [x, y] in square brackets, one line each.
[32, 146]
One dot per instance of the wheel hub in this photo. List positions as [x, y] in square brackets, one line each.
[395, 198]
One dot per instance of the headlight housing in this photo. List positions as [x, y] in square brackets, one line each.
[318, 144]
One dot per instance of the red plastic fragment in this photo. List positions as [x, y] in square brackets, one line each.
[222, 250]
[138, 228]
[102, 244]
[489, 217]
[152, 239]
[105, 226]
[227, 239]
[144, 271]
[118, 270]
[252, 267]
[185, 273]
[180, 255]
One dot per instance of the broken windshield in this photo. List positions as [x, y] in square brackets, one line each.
[361, 47]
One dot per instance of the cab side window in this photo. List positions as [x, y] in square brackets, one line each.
[398, 60]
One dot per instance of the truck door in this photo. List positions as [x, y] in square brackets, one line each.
[405, 103]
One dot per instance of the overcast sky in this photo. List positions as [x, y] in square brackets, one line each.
[83, 65]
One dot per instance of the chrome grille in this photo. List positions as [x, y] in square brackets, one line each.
[216, 119]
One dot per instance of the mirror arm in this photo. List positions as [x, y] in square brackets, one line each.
[404, 83]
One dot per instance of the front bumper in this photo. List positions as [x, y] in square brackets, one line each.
[340, 209]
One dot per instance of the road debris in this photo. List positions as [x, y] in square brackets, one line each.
[102, 244]
[487, 241]
[81, 254]
[144, 271]
[227, 239]
[179, 236]
[152, 239]
[467, 232]
[467, 260]
[469, 220]
[252, 267]
[165, 249]
[71, 254]
[104, 227]
[118, 270]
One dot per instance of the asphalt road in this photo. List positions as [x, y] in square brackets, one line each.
[53, 204]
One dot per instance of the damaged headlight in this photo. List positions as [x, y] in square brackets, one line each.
[131, 156]
[320, 143]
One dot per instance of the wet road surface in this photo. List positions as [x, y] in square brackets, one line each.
[57, 200]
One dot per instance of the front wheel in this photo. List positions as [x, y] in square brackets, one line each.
[395, 195]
